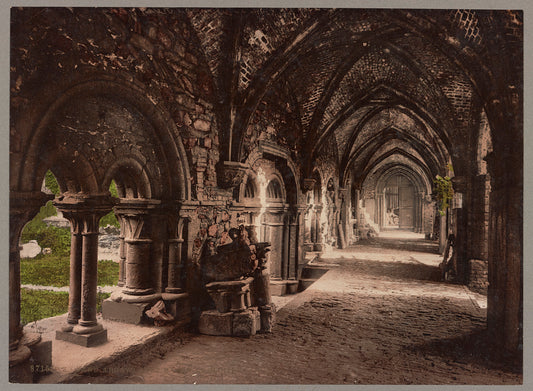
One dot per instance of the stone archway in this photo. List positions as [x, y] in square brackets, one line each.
[93, 132]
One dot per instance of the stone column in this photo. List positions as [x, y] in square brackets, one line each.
[175, 264]
[84, 212]
[378, 213]
[344, 217]
[122, 252]
[460, 214]
[76, 251]
[285, 254]
[136, 215]
[23, 206]
[505, 293]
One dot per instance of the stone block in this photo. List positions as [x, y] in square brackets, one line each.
[245, 323]
[87, 340]
[266, 318]
[123, 312]
[216, 323]
[178, 305]
[278, 288]
[292, 287]
[41, 357]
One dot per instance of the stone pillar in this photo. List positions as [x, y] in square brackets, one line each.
[175, 264]
[136, 215]
[309, 222]
[122, 253]
[23, 206]
[84, 212]
[378, 214]
[460, 215]
[318, 238]
[505, 293]
[76, 251]
[344, 217]
[285, 255]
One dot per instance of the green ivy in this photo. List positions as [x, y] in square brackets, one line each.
[443, 191]
[51, 183]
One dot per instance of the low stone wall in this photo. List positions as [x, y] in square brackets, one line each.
[479, 276]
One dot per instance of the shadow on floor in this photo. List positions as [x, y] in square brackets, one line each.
[417, 245]
[475, 348]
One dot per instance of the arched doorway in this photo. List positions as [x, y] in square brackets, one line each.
[399, 198]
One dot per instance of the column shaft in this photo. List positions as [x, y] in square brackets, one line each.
[89, 274]
[175, 266]
[74, 298]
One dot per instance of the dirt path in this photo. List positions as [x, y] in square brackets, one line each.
[379, 318]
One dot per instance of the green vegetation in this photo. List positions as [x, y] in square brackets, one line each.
[53, 270]
[443, 191]
[37, 305]
[51, 183]
[110, 218]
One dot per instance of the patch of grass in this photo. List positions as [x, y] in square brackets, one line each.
[107, 273]
[54, 270]
[35, 305]
[58, 239]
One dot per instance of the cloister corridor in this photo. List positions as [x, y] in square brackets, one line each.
[380, 315]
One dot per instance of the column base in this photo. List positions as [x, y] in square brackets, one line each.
[19, 365]
[283, 287]
[129, 298]
[178, 305]
[124, 311]
[86, 340]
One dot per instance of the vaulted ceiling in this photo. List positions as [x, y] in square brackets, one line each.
[372, 83]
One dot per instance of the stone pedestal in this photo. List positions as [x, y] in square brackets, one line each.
[234, 314]
[88, 340]
[230, 295]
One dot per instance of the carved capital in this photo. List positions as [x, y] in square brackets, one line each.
[231, 174]
[84, 210]
[308, 184]
[135, 214]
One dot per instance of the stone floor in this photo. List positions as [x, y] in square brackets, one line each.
[378, 316]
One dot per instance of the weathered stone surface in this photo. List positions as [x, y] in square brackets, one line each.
[124, 312]
[216, 323]
[246, 323]
[202, 125]
[87, 340]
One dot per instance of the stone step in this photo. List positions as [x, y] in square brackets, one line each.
[311, 271]
[305, 283]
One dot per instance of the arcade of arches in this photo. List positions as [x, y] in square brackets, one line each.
[319, 128]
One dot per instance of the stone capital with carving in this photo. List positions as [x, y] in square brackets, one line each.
[231, 174]
[308, 184]
[84, 210]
